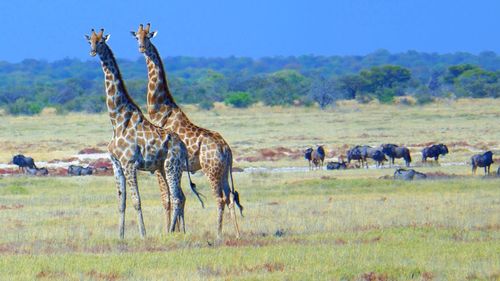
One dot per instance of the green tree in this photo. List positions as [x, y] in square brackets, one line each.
[352, 84]
[477, 83]
[284, 87]
[239, 99]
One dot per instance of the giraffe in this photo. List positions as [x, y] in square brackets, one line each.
[207, 149]
[137, 144]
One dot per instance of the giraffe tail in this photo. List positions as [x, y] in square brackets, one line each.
[236, 195]
[192, 184]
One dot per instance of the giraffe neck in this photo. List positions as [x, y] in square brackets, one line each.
[159, 99]
[118, 100]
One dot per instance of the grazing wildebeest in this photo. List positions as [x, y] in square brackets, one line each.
[318, 157]
[379, 157]
[76, 170]
[482, 160]
[355, 154]
[374, 153]
[37, 171]
[336, 165]
[408, 175]
[308, 156]
[434, 151]
[23, 162]
[394, 151]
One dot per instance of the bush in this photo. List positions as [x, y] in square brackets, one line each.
[21, 106]
[206, 104]
[239, 99]
[424, 99]
[386, 95]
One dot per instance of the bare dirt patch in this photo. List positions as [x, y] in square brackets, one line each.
[11, 207]
[48, 274]
[211, 271]
[91, 150]
[373, 276]
[95, 275]
[273, 154]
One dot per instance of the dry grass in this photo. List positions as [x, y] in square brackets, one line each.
[326, 225]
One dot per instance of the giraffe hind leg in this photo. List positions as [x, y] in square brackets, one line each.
[165, 197]
[173, 172]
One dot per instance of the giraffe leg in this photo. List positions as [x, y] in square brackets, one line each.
[165, 197]
[229, 200]
[122, 194]
[220, 213]
[131, 176]
[173, 172]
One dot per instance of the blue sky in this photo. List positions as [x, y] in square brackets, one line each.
[54, 29]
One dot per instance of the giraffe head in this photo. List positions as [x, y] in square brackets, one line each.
[143, 37]
[96, 41]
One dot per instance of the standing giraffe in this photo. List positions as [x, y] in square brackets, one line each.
[137, 144]
[207, 149]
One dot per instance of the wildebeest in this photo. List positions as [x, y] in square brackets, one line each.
[434, 151]
[394, 151]
[373, 153]
[23, 162]
[482, 160]
[75, 170]
[318, 156]
[308, 156]
[379, 157]
[336, 165]
[408, 175]
[37, 171]
[355, 154]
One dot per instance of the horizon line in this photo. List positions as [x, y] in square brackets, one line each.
[381, 50]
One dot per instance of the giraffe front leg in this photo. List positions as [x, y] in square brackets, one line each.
[173, 174]
[122, 194]
[165, 197]
[131, 176]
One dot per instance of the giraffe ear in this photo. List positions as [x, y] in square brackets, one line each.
[105, 38]
[133, 33]
[87, 37]
[152, 34]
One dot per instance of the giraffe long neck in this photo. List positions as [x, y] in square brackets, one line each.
[160, 100]
[118, 100]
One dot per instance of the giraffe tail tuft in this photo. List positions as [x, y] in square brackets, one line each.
[191, 183]
[236, 195]
[236, 198]
[196, 192]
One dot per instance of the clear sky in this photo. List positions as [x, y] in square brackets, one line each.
[54, 29]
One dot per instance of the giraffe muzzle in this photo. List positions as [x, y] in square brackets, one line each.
[142, 49]
[93, 53]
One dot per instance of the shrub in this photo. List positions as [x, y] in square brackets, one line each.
[206, 104]
[239, 99]
[424, 99]
[21, 106]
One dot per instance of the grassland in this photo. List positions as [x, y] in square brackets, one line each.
[468, 125]
[320, 225]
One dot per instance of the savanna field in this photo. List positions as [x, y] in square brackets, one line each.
[297, 224]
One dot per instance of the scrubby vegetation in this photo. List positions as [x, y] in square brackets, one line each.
[73, 85]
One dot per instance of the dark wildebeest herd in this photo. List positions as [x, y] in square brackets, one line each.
[27, 165]
[390, 152]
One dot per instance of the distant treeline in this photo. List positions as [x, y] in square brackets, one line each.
[74, 85]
